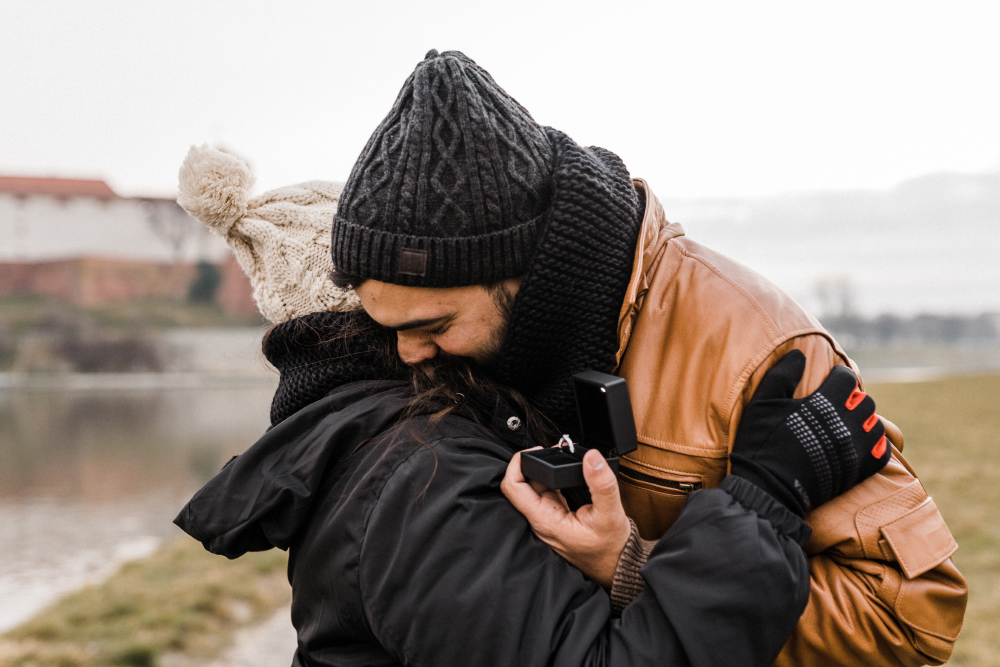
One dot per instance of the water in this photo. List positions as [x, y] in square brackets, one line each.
[91, 477]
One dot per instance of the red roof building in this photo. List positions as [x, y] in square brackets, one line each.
[76, 240]
[56, 187]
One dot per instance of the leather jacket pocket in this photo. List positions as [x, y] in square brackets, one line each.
[927, 592]
[922, 545]
[654, 498]
[919, 539]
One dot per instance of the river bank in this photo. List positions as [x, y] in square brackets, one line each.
[180, 605]
[270, 643]
[94, 467]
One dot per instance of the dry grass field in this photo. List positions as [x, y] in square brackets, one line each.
[181, 600]
[951, 428]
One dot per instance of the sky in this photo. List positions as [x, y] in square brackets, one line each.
[702, 99]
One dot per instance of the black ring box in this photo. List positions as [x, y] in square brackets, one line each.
[604, 409]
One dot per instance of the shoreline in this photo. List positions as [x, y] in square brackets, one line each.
[133, 381]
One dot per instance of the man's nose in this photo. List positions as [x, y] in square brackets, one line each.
[414, 349]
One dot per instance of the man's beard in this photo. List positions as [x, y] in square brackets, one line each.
[487, 359]
[503, 300]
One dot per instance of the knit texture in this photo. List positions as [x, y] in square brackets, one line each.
[281, 238]
[565, 315]
[451, 188]
[319, 352]
[628, 582]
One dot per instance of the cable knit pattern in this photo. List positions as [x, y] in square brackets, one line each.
[281, 238]
[456, 174]
[565, 317]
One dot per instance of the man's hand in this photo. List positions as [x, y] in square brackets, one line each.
[806, 451]
[592, 538]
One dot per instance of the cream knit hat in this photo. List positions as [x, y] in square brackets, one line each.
[281, 238]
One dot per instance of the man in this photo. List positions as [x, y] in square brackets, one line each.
[473, 231]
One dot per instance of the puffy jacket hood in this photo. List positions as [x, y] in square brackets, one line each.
[262, 498]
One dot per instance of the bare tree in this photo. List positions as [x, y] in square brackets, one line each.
[172, 224]
[836, 296]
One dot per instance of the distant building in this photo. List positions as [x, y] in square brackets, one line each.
[77, 240]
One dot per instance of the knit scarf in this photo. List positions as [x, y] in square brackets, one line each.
[319, 352]
[565, 314]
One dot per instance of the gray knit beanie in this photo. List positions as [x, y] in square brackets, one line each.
[451, 189]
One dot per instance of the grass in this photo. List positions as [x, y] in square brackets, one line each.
[180, 600]
[952, 429]
[186, 600]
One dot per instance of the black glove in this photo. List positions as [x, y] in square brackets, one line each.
[808, 450]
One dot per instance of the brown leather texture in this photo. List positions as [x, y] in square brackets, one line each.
[697, 332]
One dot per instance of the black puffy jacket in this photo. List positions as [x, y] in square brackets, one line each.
[403, 551]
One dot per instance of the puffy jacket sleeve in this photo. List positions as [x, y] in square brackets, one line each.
[451, 574]
[884, 588]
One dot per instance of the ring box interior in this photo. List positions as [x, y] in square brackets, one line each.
[558, 467]
[604, 410]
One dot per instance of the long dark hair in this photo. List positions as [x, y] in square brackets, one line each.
[449, 385]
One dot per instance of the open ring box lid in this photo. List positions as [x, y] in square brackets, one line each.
[604, 409]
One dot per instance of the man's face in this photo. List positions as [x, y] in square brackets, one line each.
[465, 322]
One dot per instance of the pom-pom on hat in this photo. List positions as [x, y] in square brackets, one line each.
[452, 188]
[281, 238]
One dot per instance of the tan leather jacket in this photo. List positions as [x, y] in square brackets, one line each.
[697, 331]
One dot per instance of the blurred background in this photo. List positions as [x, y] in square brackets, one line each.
[849, 152]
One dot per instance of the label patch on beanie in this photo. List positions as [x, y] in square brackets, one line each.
[412, 262]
